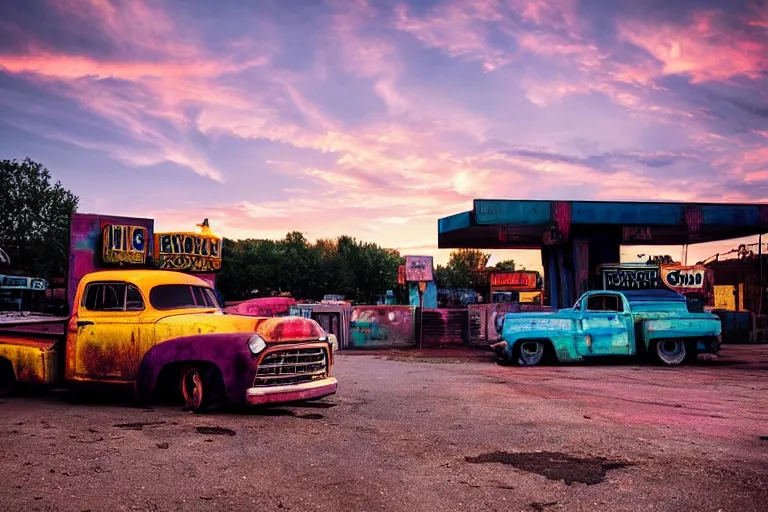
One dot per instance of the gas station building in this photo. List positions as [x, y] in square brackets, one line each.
[576, 237]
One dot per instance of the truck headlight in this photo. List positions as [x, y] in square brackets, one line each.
[256, 344]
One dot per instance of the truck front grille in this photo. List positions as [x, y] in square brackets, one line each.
[291, 367]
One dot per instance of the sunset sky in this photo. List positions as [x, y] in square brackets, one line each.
[375, 118]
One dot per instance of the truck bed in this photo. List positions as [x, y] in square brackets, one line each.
[15, 322]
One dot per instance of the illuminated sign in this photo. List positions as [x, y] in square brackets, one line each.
[683, 277]
[123, 244]
[518, 280]
[418, 268]
[401, 274]
[190, 252]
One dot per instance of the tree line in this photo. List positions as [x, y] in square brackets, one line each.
[360, 271]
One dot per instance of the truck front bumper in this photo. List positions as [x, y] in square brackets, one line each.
[292, 392]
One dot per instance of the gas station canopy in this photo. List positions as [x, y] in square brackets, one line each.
[528, 224]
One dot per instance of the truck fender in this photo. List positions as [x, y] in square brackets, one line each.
[227, 351]
[679, 328]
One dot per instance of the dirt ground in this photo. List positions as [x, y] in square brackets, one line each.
[413, 433]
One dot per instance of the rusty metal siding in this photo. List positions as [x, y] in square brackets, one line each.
[383, 327]
[445, 327]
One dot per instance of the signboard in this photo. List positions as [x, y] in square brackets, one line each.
[123, 244]
[676, 276]
[190, 252]
[401, 274]
[631, 278]
[23, 283]
[516, 280]
[418, 268]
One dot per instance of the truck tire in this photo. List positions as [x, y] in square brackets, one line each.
[201, 387]
[530, 352]
[670, 352]
[7, 378]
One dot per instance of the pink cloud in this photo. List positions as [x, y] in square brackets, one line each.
[367, 56]
[133, 24]
[547, 13]
[705, 49]
[458, 29]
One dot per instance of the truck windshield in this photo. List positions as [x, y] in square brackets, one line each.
[181, 296]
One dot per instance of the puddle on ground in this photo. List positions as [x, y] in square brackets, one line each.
[553, 465]
[310, 416]
[138, 425]
[215, 431]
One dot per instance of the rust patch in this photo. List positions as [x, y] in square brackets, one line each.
[554, 465]
[109, 360]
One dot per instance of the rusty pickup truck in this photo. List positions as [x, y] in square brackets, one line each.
[653, 323]
[160, 331]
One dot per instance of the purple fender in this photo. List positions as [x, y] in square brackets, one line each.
[228, 351]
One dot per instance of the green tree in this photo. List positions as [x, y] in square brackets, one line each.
[466, 268]
[35, 219]
[506, 265]
[260, 268]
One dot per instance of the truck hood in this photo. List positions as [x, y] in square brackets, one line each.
[273, 330]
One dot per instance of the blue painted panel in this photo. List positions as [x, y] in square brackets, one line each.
[642, 214]
[725, 215]
[430, 295]
[525, 213]
[454, 222]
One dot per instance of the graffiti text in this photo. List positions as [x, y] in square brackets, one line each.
[684, 278]
[188, 252]
[623, 279]
[124, 244]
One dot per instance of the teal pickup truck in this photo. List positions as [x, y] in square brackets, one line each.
[655, 323]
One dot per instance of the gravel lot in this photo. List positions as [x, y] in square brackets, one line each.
[413, 433]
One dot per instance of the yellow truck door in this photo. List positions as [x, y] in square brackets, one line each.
[107, 337]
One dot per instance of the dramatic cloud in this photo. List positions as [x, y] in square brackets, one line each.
[373, 118]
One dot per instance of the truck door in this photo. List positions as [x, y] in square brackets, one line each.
[107, 336]
[604, 326]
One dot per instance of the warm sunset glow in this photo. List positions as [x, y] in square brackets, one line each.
[374, 119]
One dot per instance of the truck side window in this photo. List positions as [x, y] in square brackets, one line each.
[105, 297]
[595, 303]
[133, 299]
[608, 303]
[181, 296]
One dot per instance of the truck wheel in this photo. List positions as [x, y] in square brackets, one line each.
[201, 386]
[530, 353]
[670, 352]
[7, 378]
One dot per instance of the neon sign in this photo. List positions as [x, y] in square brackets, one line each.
[517, 280]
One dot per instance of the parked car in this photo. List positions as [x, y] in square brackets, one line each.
[654, 323]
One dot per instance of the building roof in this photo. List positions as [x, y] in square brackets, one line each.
[528, 224]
